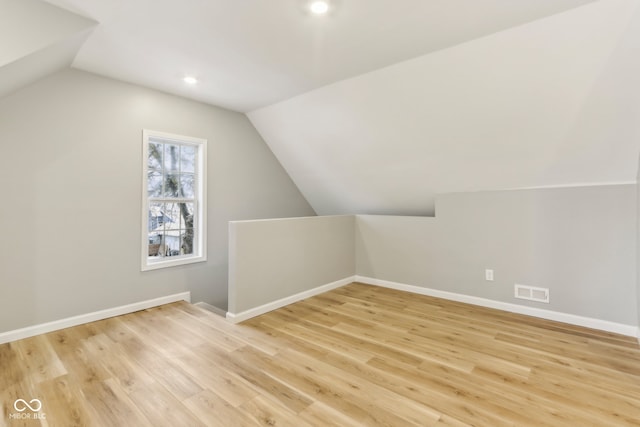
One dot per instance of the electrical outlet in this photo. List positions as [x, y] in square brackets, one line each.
[488, 275]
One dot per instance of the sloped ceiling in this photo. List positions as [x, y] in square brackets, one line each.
[36, 39]
[381, 105]
[551, 102]
[252, 53]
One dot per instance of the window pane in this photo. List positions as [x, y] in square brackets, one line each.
[186, 215]
[186, 186]
[171, 245]
[186, 245]
[156, 226]
[154, 160]
[188, 159]
[164, 244]
[171, 185]
[172, 212]
[154, 183]
[171, 157]
[168, 233]
[156, 217]
[154, 248]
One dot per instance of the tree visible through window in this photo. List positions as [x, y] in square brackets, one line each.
[173, 224]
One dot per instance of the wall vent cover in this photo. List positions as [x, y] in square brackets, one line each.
[532, 293]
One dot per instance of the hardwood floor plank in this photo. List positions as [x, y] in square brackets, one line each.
[385, 398]
[167, 372]
[543, 395]
[69, 345]
[11, 371]
[266, 412]
[319, 414]
[161, 408]
[261, 381]
[447, 421]
[409, 346]
[355, 356]
[65, 405]
[128, 373]
[38, 359]
[206, 332]
[462, 401]
[111, 406]
[323, 383]
[232, 388]
[214, 411]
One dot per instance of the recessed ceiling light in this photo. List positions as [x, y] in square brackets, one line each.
[319, 7]
[190, 80]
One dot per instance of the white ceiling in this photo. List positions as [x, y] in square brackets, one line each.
[553, 102]
[36, 39]
[252, 53]
[382, 104]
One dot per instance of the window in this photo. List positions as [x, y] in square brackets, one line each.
[174, 204]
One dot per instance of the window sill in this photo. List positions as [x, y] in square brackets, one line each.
[173, 262]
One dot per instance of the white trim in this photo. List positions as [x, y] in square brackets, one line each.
[44, 328]
[573, 185]
[211, 308]
[173, 261]
[546, 187]
[295, 218]
[603, 325]
[257, 311]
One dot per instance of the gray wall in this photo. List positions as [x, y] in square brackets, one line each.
[578, 242]
[273, 259]
[71, 182]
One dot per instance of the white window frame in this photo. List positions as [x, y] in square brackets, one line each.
[200, 209]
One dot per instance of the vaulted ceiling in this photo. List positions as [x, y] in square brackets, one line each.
[553, 102]
[379, 105]
[37, 39]
[252, 53]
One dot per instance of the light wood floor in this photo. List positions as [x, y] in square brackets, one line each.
[358, 355]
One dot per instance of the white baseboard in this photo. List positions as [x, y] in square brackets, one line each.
[257, 311]
[603, 325]
[211, 308]
[44, 328]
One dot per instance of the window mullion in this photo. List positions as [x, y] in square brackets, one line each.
[170, 200]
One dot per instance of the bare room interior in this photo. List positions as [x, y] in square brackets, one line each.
[319, 213]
